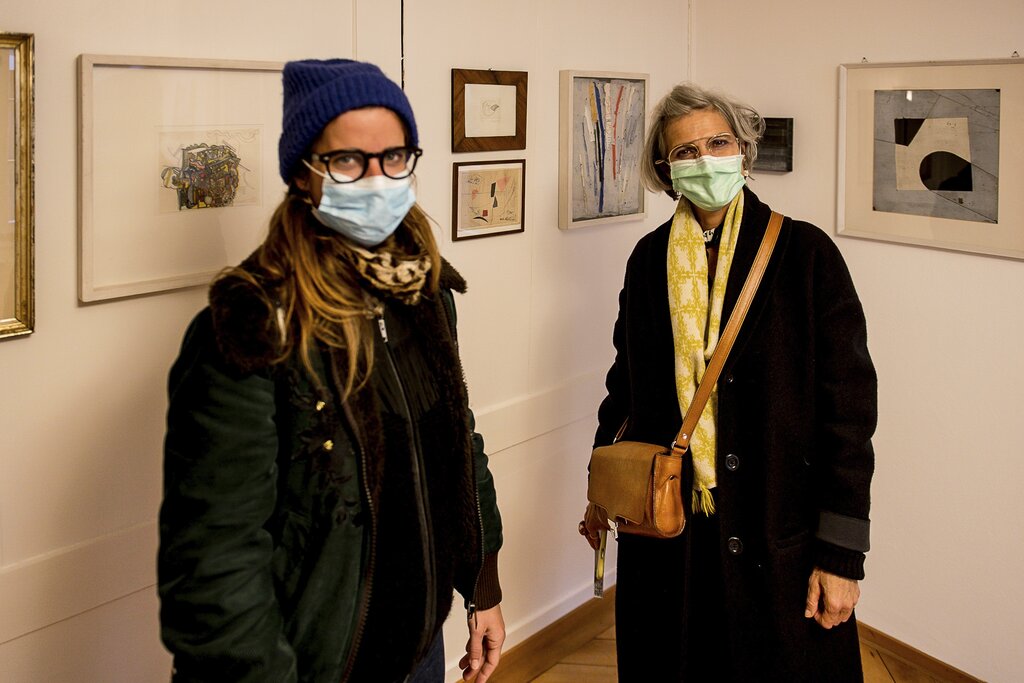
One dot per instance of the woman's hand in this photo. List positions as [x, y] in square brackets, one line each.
[486, 636]
[830, 598]
[594, 519]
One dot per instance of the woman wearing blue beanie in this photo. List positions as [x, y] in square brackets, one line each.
[324, 486]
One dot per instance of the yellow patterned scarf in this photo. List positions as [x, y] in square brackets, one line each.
[696, 320]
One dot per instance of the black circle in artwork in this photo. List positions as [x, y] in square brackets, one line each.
[946, 171]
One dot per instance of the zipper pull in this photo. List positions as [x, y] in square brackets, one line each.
[383, 329]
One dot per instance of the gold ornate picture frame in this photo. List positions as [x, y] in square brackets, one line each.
[17, 258]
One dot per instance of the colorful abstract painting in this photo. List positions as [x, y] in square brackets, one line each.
[211, 168]
[488, 198]
[607, 138]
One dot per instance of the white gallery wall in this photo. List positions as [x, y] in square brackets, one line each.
[944, 328]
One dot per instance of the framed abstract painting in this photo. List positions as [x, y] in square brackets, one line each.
[601, 139]
[931, 154]
[178, 162]
[488, 198]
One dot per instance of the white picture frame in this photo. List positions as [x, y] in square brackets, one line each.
[135, 236]
[874, 199]
[602, 123]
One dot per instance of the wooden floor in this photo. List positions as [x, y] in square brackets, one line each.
[595, 663]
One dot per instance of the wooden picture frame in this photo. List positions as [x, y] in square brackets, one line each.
[17, 230]
[179, 175]
[602, 117]
[931, 154]
[488, 110]
[488, 198]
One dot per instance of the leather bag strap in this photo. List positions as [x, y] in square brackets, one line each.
[725, 342]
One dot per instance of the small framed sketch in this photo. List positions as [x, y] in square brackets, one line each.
[488, 110]
[600, 147]
[775, 149]
[488, 198]
[931, 154]
[178, 163]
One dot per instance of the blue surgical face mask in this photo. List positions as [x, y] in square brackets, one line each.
[366, 211]
[709, 182]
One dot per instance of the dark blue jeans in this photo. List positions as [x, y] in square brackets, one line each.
[431, 668]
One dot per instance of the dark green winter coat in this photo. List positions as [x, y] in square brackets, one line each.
[305, 538]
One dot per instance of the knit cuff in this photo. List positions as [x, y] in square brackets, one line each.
[488, 590]
[840, 561]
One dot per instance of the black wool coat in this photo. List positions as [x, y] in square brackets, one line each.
[797, 409]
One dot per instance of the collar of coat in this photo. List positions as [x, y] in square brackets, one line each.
[246, 317]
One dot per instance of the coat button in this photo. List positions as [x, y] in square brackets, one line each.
[320, 406]
[732, 462]
[328, 445]
[735, 546]
[729, 379]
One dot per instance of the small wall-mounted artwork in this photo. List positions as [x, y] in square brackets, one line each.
[601, 140]
[210, 168]
[17, 271]
[924, 149]
[775, 148]
[488, 110]
[488, 198]
[178, 169]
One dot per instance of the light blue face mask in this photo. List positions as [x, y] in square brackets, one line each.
[709, 182]
[367, 211]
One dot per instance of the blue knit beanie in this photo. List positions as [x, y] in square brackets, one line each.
[318, 91]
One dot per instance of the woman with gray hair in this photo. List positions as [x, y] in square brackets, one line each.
[762, 582]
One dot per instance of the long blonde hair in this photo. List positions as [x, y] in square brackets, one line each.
[316, 290]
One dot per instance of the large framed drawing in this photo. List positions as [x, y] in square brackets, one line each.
[178, 169]
[932, 154]
[488, 110]
[600, 146]
[488, 198]
[17, 274]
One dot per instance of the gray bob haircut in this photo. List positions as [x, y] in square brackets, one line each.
[686, 98]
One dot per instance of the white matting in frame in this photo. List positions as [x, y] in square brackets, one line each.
[178, 162]
[932, 154]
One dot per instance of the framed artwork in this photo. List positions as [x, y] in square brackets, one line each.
[930, 154]
[178, 162]
[488, 110]
[488, 198]
[17, 272]
[600, 147]
[775, 149]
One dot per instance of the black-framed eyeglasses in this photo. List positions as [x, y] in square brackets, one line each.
[349, 165]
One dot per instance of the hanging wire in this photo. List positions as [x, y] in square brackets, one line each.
[402, 40]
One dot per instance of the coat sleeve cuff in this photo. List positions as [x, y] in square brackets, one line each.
[840, 561]
[488, 589]
[844, 531]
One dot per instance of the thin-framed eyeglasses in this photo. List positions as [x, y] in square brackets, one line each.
[349, 165]
[717, 145]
